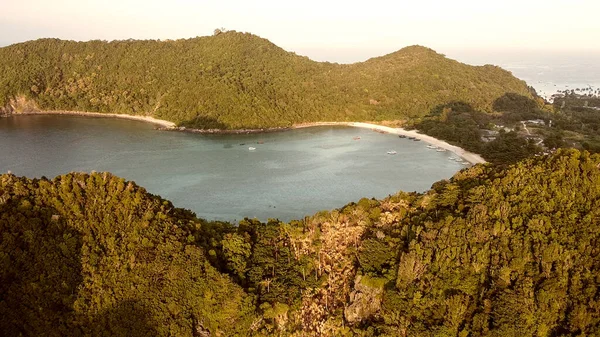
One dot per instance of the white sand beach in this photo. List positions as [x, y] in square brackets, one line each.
[471, 157]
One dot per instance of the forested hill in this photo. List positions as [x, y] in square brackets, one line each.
[509, 251]
[238, 80]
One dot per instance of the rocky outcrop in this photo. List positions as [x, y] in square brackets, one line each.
[5, 111]
[19, 104]
[365, 300]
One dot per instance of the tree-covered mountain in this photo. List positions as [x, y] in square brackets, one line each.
[494, 251]
[95, 255]
[238, 80]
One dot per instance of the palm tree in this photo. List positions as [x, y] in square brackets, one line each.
[266, 283]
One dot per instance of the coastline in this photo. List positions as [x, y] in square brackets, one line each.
[161, 122]
[224, 131]
[471, 157]
[165, 125]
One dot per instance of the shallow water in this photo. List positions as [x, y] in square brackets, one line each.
[290, 174]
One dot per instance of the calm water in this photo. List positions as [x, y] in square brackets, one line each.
[289, 175]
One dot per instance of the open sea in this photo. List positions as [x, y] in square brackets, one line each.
[547, 72]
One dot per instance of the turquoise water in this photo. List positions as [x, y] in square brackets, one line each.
[289, 175]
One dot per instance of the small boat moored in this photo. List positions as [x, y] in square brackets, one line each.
[251, 148]
[392, 152]
[441, 150]
[432, 147]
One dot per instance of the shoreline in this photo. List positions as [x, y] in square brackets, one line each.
[224, 131]
[165, 125]
[161, 122]
[471, 157]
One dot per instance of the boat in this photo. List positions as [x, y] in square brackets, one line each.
[402, 136]
[392, 152]
[466, 163]
[432, 147]
[411, 138]
[441, 150]
[356, 138]
[251, 148]
[416, 139]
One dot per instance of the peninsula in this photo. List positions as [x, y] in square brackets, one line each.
[238, 81]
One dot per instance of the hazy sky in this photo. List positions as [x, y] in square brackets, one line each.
[338, 31]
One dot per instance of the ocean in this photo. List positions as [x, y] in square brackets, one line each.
[547, 72]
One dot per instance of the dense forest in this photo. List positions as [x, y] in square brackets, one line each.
[572, 120]
[461, 124]
[237, 80]
[579, 119]
[494, 251]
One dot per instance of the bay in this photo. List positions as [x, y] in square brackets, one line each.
[289, 175]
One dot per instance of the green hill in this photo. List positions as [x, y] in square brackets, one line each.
[495, 251]
[96, 255]
[238, 80]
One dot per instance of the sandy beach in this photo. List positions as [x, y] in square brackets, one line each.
[471, 157]
[162, 123]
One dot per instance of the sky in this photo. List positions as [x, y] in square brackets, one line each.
[336, 31]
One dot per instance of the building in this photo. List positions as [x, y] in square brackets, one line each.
[535, 122]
